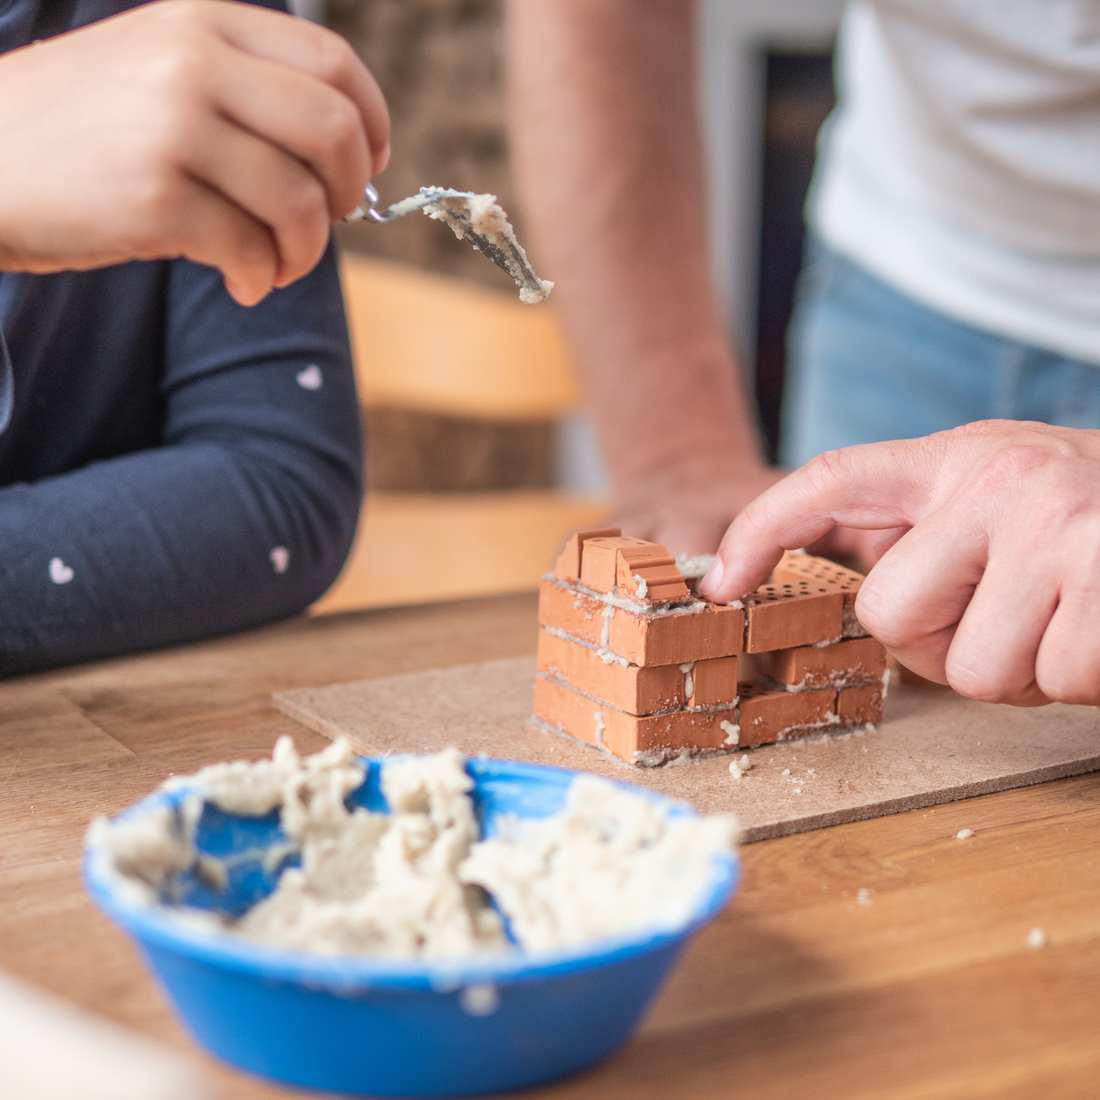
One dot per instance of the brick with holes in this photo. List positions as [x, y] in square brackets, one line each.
[792, 613]
[855, 661]
[795, 565]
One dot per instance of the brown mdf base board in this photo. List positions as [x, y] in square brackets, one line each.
[933, 746]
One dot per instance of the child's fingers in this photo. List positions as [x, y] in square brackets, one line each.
[313, 50]
[241, 247]
[306, 117]
[273, 188]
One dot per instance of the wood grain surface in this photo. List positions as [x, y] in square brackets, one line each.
[880, 959]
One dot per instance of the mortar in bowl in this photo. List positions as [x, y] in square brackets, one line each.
[364, 1025]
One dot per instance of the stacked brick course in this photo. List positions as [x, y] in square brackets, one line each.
[631, 661]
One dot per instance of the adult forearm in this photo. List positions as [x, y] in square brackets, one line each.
[608, 157]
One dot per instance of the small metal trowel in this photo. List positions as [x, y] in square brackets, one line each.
[478, 219]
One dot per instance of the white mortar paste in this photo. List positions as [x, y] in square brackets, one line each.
[605, 634]
[689, 685]
[610, 863]
[732, 731]
[694, 567]
[418, 881]
[604, 655]
[482, 214]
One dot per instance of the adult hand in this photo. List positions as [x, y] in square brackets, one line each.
[989, 578]
[222, 132]
[688, 504]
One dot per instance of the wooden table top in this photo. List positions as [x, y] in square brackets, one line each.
[923, 985]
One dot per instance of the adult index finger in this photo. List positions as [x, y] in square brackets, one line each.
[315, 50]
[874, 486]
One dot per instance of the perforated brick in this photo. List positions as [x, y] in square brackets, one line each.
[795, 566]
[794, 613]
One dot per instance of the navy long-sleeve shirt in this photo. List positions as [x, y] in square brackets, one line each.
[174, 465]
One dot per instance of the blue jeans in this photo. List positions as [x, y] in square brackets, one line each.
[866, 363]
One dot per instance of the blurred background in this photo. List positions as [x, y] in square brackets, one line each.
[481, 458]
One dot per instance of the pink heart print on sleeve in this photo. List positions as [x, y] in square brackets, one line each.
[310, 378]
[60, 573]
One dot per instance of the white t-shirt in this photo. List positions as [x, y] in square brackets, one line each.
[963, 163]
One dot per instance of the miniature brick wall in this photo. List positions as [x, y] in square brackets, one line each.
[633, 662]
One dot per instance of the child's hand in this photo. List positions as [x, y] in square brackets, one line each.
[990, 571]
[222, 132]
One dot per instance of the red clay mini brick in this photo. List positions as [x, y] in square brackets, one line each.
[643, 638]
[579, 615]
[855, 661]
[713, 682]
[599, 560]
[794, 613]
[656, 567]
[767, 715]
[662, 735]
[569, 712]
[568, 567]
[628, 687]
[857, 706]
[795, 566]
[673, 639]
[636, 740]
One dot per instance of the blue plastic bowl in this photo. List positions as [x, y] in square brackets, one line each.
[397, 1028]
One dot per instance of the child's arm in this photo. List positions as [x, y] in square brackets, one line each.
[236, 477]
[990, 574]
[222, 132]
